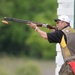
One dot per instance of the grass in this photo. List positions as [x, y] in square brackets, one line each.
[10, 64]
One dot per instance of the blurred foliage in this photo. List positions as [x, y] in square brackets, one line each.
[19, 39]
[28, 69]
[11, 65]
[3, 71]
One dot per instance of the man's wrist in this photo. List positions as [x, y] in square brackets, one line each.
[36, 28]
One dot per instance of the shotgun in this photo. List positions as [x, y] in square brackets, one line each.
[27, 22]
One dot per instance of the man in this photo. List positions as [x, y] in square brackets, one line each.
[65, 36]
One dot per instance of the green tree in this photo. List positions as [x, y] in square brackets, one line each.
[17, 38]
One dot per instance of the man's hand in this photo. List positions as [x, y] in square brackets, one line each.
[33, 25]
[53, 30]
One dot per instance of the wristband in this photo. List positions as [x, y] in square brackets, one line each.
[36, 28]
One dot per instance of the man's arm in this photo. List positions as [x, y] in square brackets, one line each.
[53, 37]
[40, 32]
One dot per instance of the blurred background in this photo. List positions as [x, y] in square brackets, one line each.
[22, 50]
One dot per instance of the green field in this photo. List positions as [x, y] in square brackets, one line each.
[9, 65]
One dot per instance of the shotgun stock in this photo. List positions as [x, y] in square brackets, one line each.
[26, 22]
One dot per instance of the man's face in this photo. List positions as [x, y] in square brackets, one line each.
[60, 24]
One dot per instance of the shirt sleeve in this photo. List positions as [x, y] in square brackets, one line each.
[55, 37]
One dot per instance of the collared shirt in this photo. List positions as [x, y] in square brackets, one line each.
[55, 37]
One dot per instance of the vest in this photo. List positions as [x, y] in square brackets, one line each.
[68, 49]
